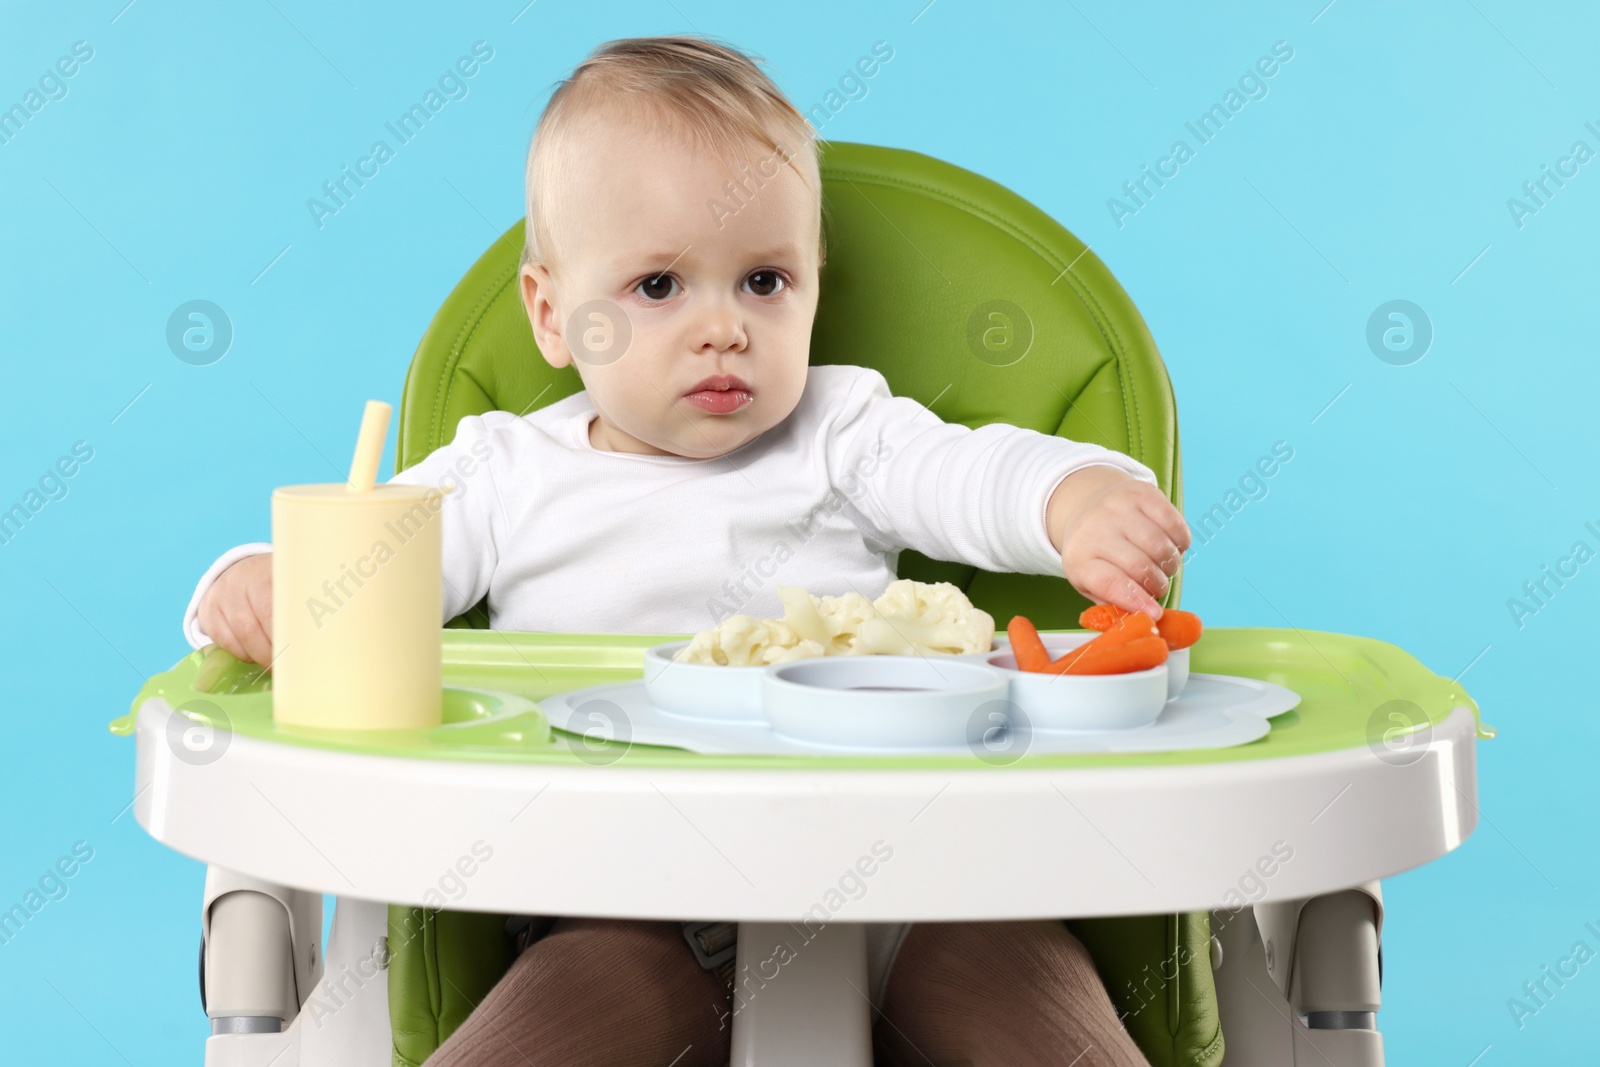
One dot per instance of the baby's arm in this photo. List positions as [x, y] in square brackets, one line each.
[232, 604]
[999, 497]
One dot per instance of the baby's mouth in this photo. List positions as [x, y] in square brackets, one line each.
[720, 394]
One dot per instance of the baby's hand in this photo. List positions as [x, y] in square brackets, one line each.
[1120, 539]
[236, 612]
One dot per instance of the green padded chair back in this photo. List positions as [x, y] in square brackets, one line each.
[967, 298]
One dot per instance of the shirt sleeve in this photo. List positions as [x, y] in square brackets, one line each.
[476, 522]
[474, 516]
[949, 491]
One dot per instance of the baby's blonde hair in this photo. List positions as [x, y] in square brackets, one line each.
[713, 93]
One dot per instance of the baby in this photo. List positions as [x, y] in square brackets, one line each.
[700, 438]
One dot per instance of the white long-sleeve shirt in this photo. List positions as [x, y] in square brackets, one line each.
[562, 536]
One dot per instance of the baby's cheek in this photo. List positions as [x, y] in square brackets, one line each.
[792, 383]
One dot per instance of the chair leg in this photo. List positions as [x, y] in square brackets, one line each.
[249, 967]
[1341, 1048]
[343, 1021]
[1257, 1023]
[1328, 1017]
[291, 919]
[1335, 983]
[800, 996]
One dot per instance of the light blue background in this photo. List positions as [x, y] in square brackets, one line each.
[1378, 167]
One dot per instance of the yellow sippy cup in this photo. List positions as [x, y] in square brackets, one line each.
[356, 598]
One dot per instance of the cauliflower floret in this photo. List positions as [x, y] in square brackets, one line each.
[910, 618]
[785, 653]
[920, 618]
[743, 641]
[830, 621]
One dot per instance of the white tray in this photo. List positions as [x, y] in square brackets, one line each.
[1213, 711]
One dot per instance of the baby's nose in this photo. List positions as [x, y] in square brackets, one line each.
[720, 329]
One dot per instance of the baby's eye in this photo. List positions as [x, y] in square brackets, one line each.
[657, 287]
[764, 282]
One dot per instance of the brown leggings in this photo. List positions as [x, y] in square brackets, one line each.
[630, 994]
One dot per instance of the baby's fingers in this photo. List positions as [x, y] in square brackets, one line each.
[247, 632]
[1137, 563]
[217, 628]
[1168, 519]
[1148, 550]
[1105, 582]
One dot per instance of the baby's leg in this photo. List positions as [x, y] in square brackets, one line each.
[1017, 994]
[596, 991]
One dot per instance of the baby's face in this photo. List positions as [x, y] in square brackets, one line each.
[690, 325]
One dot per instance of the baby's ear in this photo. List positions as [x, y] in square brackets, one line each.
[537, 297]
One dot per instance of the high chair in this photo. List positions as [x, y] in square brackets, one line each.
[1228, 897]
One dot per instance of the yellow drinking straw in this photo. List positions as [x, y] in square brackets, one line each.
[369, 446]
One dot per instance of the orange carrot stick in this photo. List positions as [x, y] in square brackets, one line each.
[1101, 617]
[1179, 629]
[1029, 650]
[1140, 654]
[1130, 627]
